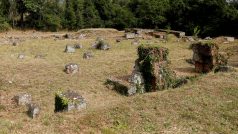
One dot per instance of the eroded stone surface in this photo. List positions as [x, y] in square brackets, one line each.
[205, 56]
[121, 86]
[87, 55]
[33, 110]
[68, 101]
[71, 68]
[22, 99]
[69, 49]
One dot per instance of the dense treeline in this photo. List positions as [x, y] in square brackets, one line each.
[204, 17]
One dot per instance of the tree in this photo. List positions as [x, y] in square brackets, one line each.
[69, 16]
[78, 10]
[91, 15]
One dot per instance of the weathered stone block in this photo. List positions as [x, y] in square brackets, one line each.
[33, 110]
[130, 35]
[69, 49]
[122, 87]
[68, 101]
[153, 64]
[71, 68]
[205, 56]
[22, 99]
[102, 45]
[230, 39]
[87, 55]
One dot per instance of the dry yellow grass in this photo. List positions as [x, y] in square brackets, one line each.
[209, 104]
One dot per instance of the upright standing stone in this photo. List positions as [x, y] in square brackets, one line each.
[205, 56]
[68, 101]
[130, 35]
[153, 64]
[102, 45]
[33, 110]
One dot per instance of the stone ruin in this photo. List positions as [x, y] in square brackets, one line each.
[87, 55]
[151, 73]
[22, 99]
[71, 68]
[25, 99]
[33, 110]
[206, 56]
[153, 64]
[69, 100]
[100, 44]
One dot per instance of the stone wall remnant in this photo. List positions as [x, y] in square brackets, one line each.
[69, 100]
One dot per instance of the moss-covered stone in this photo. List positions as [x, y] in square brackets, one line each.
[153, 63]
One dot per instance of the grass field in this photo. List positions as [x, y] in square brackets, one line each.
[208, 104]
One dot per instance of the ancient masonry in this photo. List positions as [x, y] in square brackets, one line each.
[206, 57]
[153, 64]
[151, 72]
[69, 100]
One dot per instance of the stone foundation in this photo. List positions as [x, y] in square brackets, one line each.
[153, 65]
[68, 101]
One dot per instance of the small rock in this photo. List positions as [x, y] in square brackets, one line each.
[102, 45]
[78, 46]
[208, 38]
[33, 110]
[118, 40]
[69, 49]
[87, 55]
[21, 56]
[15, 43]
[10, 82]
[67, 36]
[40, 56]
[71, 68]
[136, 78]
[22, 99]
